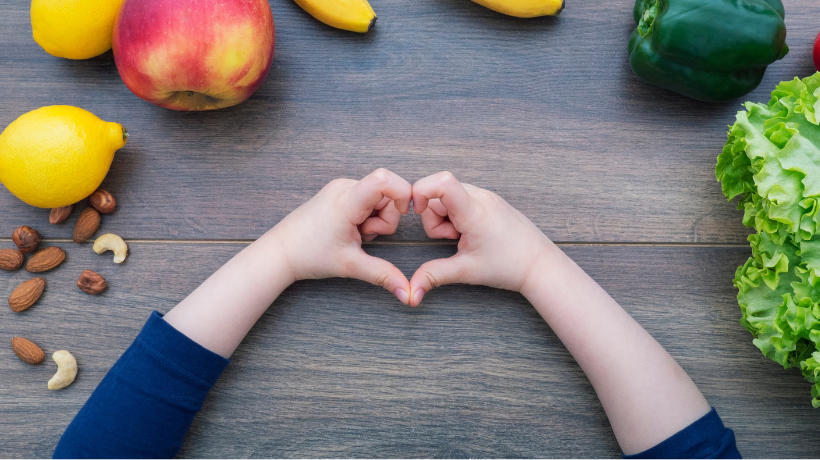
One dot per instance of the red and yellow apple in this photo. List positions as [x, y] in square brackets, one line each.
[194, 54]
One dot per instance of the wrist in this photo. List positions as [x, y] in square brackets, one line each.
[272, 247]
[549, 262]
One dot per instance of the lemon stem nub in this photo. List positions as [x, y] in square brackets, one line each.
[124, 134]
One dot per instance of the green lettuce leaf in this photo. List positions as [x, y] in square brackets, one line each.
[771, 164]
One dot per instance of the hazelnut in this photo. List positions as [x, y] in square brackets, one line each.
[26, 238]
[91, 282]
[103, 201]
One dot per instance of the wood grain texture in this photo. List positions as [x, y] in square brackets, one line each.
[545, 112]
[338, 368]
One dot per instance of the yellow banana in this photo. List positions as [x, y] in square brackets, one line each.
[352, 15]
[524, 8]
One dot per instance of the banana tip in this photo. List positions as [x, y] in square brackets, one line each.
[372, 23]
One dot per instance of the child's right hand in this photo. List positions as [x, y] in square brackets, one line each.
[499, 246]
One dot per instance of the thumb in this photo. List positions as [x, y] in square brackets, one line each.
[381, 273]
[437, 273]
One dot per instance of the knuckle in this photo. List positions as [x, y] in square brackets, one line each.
[447, 178]
[383, 280]
[432, 279]
[380, 176]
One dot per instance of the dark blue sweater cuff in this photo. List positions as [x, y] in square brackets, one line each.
[161, 338]
[147, 401]
[704, 438]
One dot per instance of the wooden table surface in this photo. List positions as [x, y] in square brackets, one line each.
[545, 112]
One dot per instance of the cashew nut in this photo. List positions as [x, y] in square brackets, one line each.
[111, 242]
[66, 370]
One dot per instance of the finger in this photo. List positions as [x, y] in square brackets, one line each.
[437, 273]
[372, 190]
[436, 206]
[444, 186]
[384, 202]
[384, 222]
[381, 273]
[436, 226]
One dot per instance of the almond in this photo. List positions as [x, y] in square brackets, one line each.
[45, 259]
[26, 294]
[11, 259]
[87, 225]
[103, 201]
[27, 350]
[26, 238]
[59, 215]
[91, 282]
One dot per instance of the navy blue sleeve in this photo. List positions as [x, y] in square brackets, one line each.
[704, 438]
[146, 403]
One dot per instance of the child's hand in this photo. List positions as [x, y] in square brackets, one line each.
[498, 246]
[323, 237]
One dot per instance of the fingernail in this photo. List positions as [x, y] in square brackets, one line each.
[402, 295]
[419, 294]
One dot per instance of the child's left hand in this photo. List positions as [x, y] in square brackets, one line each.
[323, 237]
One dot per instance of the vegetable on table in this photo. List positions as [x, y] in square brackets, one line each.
[771, 160]
[709, 50]
[817, 52]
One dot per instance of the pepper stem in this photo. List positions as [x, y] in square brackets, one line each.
[650, 12]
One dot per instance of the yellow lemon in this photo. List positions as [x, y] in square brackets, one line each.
[74, 29]
[57, 155]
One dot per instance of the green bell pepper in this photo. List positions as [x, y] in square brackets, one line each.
[709, 50]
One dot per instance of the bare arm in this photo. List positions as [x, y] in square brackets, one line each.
[320, 239]
[647, 396]
[148, 400]
[221, 311]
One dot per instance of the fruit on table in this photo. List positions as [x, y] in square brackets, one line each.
[75, 29]
[57, 155]
[352, 15]
[709, 50]
[524, 8]
[194, 54]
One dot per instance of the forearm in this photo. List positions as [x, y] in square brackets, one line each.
[221, 311]
[647, 396]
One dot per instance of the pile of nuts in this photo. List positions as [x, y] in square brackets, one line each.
[28, 293]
